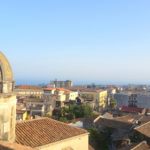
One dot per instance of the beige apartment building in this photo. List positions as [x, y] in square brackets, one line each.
[60, 95]
[63, 84]
[99, 97]
[29, 91]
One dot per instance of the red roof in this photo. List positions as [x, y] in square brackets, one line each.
[43, 131]
[131, 109]
[49, 88]
[20, 111]
[65, 90]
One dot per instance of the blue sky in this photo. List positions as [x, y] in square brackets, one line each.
[102, 41]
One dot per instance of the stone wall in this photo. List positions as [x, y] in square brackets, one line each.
[7, 117]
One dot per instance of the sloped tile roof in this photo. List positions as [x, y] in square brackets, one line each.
[43, 131]
[141, 146]
[118, 122]
[59, 89]
[65, 90]
[131, 109]
[28, 87]
[113, 123]
[144, 129]
[49, 88]
[20, 111]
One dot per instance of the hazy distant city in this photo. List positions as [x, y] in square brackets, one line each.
[75, 75]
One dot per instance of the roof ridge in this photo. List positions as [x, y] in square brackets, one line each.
[143, 142]
[142, 125]
[67, 124]
[50, 131]
[23, 121]
[40, 118]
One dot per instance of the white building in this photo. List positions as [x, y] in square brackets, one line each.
[133, 100]
[122, 99]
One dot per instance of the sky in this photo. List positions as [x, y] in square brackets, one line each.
[87, 41]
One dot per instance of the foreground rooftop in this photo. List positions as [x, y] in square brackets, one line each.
[144, 129]
[43, 131]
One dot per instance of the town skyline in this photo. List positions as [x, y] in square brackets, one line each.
[107, 45]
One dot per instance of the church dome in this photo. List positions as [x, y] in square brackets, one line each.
[5, 69]
[6, 75]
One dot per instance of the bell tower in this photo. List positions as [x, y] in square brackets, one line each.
[7, 101]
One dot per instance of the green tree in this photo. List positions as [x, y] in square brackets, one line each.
[86, 111]
[47, 115]
[74, 111]
[113, 103]
[63, 119]
[100, 141]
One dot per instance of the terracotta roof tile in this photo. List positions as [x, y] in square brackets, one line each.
[30, 87]
[144, 129]
[43, 131]
[20, 111]
[140, 146]
[112, 123]
[59, 89]
[143, 145]
[124, 121]
[62, 89]
[131, 109]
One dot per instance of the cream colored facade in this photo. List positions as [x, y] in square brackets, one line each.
[7, 117]
[7, 101]
[99, 97]
[29, 92]
[103, 99]
[75, 143]
[62, 95]
[73, 96]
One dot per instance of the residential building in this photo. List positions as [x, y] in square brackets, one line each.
[29, 91]
[133, 100]
[122, 99]
[99, 97]
[132, 109]
[21, 115]
[63, 84]
[35, 106]
[59, 96]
